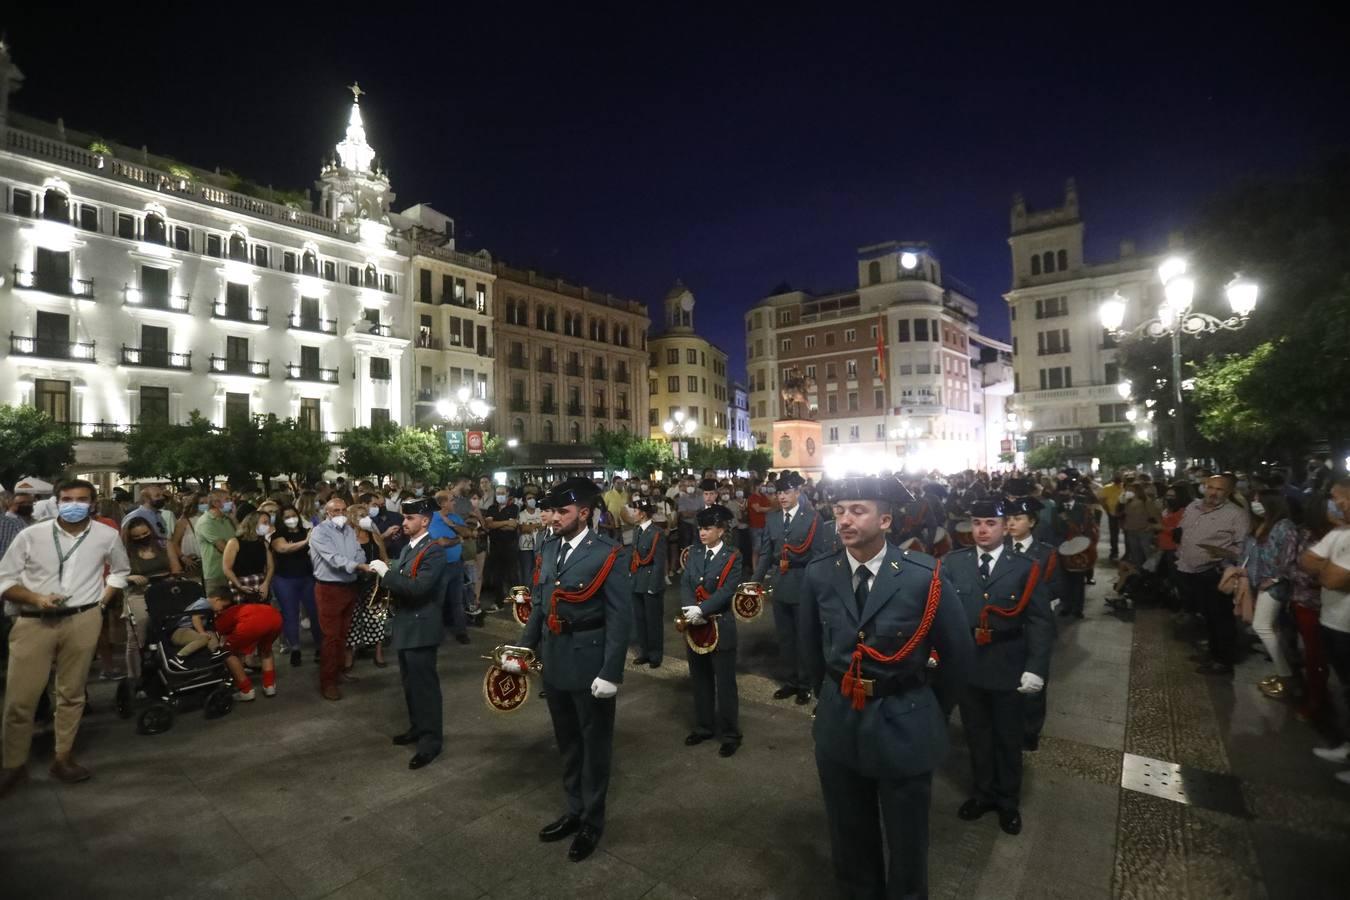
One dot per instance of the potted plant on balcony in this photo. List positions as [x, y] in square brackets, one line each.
[100, 149]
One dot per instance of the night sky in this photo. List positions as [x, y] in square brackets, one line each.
[623, 150]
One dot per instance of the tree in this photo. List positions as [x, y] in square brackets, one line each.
[760, 460]
[1122, 450]
[31, 443]
[299, 453]
[495, 456]
[1007, 457]
[646, 456]
[421, 454]
[613, 447]
[1050, 456]
[370, 451]
[195, 451]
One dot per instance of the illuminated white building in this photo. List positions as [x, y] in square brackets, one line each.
[927, 409]
[136, 289]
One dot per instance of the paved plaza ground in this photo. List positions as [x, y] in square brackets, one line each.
[298, 797]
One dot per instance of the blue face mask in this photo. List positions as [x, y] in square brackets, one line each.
[72, 511]
[227, 506]
[201, 507]
[1333, 511]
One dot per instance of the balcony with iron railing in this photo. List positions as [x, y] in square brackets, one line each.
[315, 324]
[249, 368]
[517, 361]
[573, 370]
[155, 358]
[79, 288]
[299, 372]
[600, 412]
[623, 414]
[574, 409]
[378, 329]
[232, 313]
[548, 366]
[548, 407]
[426, 395]
[97, 431]
[518, 404]
[49, 348]
[137, 298]
[598, 373]
[426, 341]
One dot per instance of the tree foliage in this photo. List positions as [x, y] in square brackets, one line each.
[370, 451]
[263, 447]
[1050, 456]
[32, 444]
[1122, 450]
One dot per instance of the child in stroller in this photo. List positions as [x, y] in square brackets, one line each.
[242, 628]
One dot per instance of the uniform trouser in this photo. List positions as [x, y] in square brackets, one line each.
[717, 709]
[453, 613]
[861, 867]
[1033, 715]
[649, 626]
[1075, 591]
[584, 729]
[993, 724]
[34, 644]
[422, 693]
[786, 622]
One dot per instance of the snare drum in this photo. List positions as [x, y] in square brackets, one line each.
[1074, 554]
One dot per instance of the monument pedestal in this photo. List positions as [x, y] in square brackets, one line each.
[797, 445]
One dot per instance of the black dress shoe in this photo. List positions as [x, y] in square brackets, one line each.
[1010, 820]
[402, 740]
[803, 698]
[655, 664]
[972, 809]
[421, 759]
[296, 658]
[694, 739]
[1031, 743]
[462, 638]
[640, 661]
[1214, 668]
[728, 749]
[560, 829]
[784, 692]
[583, 845]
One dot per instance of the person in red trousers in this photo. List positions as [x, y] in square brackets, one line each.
[242, 628]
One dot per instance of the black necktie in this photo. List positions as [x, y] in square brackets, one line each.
[985, 560]
[707, 560]
[860, 592]
[562, 554]
[787, 520]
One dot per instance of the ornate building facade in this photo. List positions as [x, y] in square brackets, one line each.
[688, 374]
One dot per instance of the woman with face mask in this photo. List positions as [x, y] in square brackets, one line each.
[501, 519]
[1272, 557]
[530, 525]
[247, 561]
[183, 540]
[293, 581]
[149, 562]
[369, 620]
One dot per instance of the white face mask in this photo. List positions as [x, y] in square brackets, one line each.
[501, 499]
[366, 523]
[530, 502]
[1258, 509]
[724, 497]
[339, 521]
[740, 495]
[291, 522]
[264, 530]
[689, 490]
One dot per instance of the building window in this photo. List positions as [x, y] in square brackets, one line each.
[1035, 264]
[236, 409]
[213, 246]
[53, 398]
[852, 401]
[1112, 413]
[832, 403]
[126, 226]
[1057, 377]
[156, 231]
[480, 298]
[21, 203]
[154, 404]
[672, 384]
[1050, 342]
[330, 274]
[784, 317]
[809, 341]
[1062, 260]
[379, 416]
[692, 382]
[691, 357]
[1048, 262]
[238, 247]
[672, 357]
[55, 205]
[920, 329]
[853, 433]
[1015, 351]
[1112, 373]
[309, 414]
[902, 330]
[829, 339]
[784, 345]
[830, 372]
[851, 368]
[851, 336]
[874, 272]
[834, 434]
[574, 433]
[879, 398]
[289, 262]
[379, 368]
[1052, 307]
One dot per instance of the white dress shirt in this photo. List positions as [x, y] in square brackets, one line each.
[994, 555]
[714, 550]
[645, 525]
[1024, 544]
[572, 544]
[32, 562]
[873, 566]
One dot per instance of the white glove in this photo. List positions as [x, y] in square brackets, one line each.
[602, 689]
[1031, 683]
[1055, 604]
[511, 664]
[693, 614]
[379, 567]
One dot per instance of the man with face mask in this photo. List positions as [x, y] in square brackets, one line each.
[53, 580]
[152, 504]
[1214, 522]
[214, 529]
[337, 557]
[18, 515]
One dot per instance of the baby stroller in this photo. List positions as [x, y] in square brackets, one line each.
[165, 682]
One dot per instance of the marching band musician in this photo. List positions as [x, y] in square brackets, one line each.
[416, 582]
[1008, 606]
[579, 625]
[881, 726]
[648, 570]
[788, 543]
[1072, 518]
[707, 586]
[1023, 513]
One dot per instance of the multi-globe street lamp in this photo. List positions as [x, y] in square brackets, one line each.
[678, 427]
[1175, 318]
[907, 432]
[464, 409]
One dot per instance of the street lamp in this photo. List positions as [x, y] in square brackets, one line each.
[465, 409]
[1175, 318]
[676, 428]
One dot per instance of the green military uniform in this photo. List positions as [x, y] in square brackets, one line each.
[649, 589]
[716, 703]
[1047, 555]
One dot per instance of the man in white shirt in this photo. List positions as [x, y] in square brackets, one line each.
[53, 580]
[1329, 560]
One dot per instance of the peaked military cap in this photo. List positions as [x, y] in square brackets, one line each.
[422, 506]
[1017, 487]
[707, 484]
[645, 505]
[578, 491]
[987, 509]
[715, 515]
[886, 488]
[790, 481]
[1023, 506]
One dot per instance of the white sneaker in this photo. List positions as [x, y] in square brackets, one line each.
[269, 691]
[250, 694]
[1343, 777]
[1334, 754]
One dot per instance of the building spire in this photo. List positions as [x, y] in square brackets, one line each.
[353, 151]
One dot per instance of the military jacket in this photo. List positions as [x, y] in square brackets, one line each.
[1021, 643]
[787, 586]
[649, 578]
[416, 609]
[699, 571]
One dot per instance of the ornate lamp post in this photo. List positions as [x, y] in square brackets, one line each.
[1175, 318]
[463, 410]
[676, 428]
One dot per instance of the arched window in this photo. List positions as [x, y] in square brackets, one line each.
[238, 247]
[55, 205]
[309, 263]
[518, 429]
[548, 431]
[1048, 262]
[1035, 264]
[1062, 258]
[156, 232]
[539, 318]
[372, 277]
[575, 433]
[874, 272]
[551, 323]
